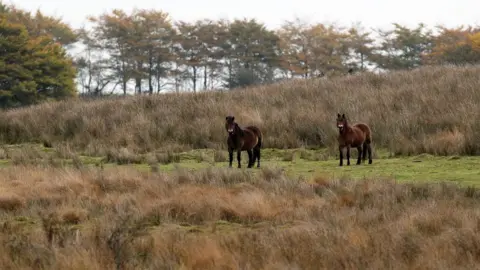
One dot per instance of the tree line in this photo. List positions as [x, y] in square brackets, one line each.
[149, 49]
[148, 52]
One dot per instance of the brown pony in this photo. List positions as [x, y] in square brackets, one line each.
[358, 135]
[243, 139]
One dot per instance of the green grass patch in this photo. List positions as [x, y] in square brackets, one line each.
[464, 170]
[305, 163]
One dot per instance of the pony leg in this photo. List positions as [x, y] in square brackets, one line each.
[365, 149]
[348, 155]
[230, 157]
[369, 154]
[359, 159]
[250, 158]
[254, 156]
[239, 158]
[256, 153]
[340, 149]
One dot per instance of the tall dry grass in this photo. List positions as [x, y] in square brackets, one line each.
[431, 109]
[230, 219]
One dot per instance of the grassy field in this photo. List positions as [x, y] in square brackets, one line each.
[123, 217]
[143, 183]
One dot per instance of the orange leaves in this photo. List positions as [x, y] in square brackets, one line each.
[310, 49]
[39, 24]
[456, 45]
[136, 31]
[474, 40]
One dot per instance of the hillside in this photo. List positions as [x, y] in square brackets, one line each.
[432, 109]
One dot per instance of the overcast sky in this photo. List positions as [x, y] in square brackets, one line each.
[371, 13]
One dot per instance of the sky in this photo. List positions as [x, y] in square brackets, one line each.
[371, 13]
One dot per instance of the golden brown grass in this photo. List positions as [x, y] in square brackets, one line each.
[54, 218]
[432, 109]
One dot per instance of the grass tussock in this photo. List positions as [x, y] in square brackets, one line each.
[216, 218]
[427, 110]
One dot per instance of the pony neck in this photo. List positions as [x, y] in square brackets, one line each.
[238, 131]
[346, 128]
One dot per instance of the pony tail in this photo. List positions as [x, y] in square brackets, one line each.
[259, 140]
[368, 138]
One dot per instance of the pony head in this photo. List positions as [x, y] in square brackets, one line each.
[230, 124]
[341, 122]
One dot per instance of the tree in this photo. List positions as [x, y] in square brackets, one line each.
[92, 67]
[32, 69]
[328, 49]
[214, 34]
[150, 43]
[313, 50]
[294, 48]
[455, 46]
[402, 47]
[199, 46]
[159, 39]
[253, 48]
[190, 49]
[474, 39]
[138, 45]
[361, 46]
[40, 25]
[111, 34]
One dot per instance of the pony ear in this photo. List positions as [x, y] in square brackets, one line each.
[338, 115]
[226, 118]
[343, 115]
[233, 118]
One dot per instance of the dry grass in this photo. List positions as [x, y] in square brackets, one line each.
[121, 218]
[432, 109]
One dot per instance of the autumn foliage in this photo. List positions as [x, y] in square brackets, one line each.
[147, 51]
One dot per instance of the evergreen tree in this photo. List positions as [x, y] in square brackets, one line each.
[32, 69]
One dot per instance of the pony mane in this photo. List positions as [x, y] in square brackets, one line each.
[239, 129]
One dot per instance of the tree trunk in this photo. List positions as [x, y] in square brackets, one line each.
[138, 85]
[361, 61]
[150, 75]
[205, 78]
[194, 79]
